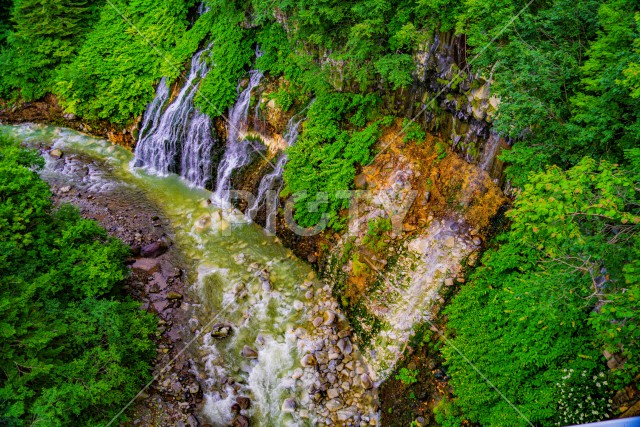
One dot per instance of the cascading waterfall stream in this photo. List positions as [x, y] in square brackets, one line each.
[237, 153]
[178, 139]
[273, 180]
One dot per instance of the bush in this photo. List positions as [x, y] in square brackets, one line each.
[74, 349]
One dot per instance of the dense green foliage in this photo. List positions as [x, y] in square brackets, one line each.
[555, 291]
[45, 35]
[560, 288]
[73, 348]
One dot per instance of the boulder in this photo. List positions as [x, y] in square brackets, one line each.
[174, 295]
[366, 381]
[220, 330]
[249, 353]
[289, 405]
[241, 421]
[154, 250]
[243, 401]
[334, 404]
[309, 360]
[55, 153]
[345, 346]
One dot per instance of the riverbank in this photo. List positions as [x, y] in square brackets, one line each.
[157, 280]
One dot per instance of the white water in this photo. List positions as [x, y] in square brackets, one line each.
[197, 164]
[237, 153]
[273, 180]
[226, 251]
[179, 139]
[492, 146]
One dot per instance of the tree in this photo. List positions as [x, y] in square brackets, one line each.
[561, 287]
[73, 347]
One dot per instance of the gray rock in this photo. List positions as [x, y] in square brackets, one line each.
[366, 381]
[334, 404]
[345, 345]
[332, 393]
[477, 241]
[55, 153]
[448, 281]
[317, 321]
[249, 353]
[192, 421]
[289, 405]
[154, 250]
[329, 317]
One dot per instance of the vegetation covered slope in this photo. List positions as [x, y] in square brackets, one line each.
[73, 348]
[557, 290]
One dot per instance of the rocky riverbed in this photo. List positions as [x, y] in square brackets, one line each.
[157, 278]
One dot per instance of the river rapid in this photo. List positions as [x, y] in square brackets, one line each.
[278, 336]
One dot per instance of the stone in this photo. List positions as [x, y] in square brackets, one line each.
[173, 295]
[192, 421]
[249, 353]
[55, 153]
[345, 414]
[309, 360]
[220, 330]
[329, 317]
[448, 281]
[297, 374]
[450, 242]
[149, 265]
[317, 322]
[332, 393]
[366, 381]
[289, 405]
[345, 345]
[334, 404]
[65, 189]
[154, 250]
[244, 402]
[477, 241]
[241, 421]
[194, 388]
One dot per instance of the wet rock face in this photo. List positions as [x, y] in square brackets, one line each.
[455, 103]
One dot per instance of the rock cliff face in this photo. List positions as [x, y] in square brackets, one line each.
[420, 212]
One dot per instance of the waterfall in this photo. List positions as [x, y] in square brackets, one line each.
[196, 163]
[237, 153]
[163, 133]
[491, 149]
[154, 109]
[269, 181]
